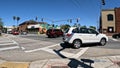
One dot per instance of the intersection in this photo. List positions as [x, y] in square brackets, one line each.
[33, 47]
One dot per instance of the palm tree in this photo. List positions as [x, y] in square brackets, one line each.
[1, 24]
[18, 18]
[14, 17]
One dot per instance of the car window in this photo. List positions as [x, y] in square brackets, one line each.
[91, 31]
[66, 31]
[83, 30]
[76, 30]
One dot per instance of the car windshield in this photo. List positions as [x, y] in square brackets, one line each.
[66, 31]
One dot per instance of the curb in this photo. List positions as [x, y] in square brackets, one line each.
[14, 65]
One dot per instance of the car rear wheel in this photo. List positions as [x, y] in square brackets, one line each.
[77, 44]
[103, 42]
[117, 37]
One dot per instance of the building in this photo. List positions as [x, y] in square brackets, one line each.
[23, 26]
[41, 27]
[32, 26]
[110, 21]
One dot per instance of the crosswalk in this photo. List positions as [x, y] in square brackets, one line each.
[7, 44]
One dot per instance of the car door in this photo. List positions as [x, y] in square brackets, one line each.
[94, 36]
[84, 35]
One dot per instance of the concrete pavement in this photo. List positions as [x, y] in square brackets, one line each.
[88, 62]
[82, 62]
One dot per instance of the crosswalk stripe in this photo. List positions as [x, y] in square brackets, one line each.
[8, 48]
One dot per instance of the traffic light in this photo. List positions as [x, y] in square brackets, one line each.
[77, 20]
[70, 20]
[42, 19]
[103, 2]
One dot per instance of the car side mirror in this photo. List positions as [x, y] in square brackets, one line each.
[97, 33]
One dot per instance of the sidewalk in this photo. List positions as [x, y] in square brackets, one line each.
[93, 62]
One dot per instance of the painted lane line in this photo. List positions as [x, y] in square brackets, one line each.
[7, 44]
[9, 48]
[80, 53]
[18, 45]
[51, 46]
[33, 50]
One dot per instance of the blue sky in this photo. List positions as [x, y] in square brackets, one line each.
[87, 10]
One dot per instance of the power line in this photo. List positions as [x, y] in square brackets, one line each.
[75, 3]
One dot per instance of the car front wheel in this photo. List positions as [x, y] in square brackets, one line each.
[77, 44]
[103, 41]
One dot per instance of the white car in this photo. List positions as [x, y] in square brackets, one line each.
[78, 36]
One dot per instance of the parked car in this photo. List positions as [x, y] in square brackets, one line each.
[116, 35]
[78, 36]
[54, 32]
[24, 33]
[15, 32]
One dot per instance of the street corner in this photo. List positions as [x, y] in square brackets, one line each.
[50, 63]
[57, 63]
[14, 65]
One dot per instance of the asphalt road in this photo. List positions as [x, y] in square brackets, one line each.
[36, 47]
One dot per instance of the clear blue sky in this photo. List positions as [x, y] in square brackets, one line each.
[87, 10]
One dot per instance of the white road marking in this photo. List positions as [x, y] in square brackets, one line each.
[70, 55]
[7, 44]
[52, 46]
[18, 45]
[33, 50]
[8, 48]
[10, 42]
[114, 39]
[80, 53]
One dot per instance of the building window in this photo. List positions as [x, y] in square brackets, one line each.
[110, 17]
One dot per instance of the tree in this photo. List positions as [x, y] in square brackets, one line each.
[93, 27]
[75, 25]
[16, 18]
[64, 27]
[84, 26]
[1, 23]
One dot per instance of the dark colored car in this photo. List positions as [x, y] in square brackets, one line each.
[54, 32]
[116, 35]
[15, 33]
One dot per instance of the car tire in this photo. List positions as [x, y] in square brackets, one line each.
[103, 42]
[77, 44]
[49, 36]
[117, 37]
[55, 36]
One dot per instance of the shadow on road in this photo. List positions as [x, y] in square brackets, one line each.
[74, 63]
[63, 45]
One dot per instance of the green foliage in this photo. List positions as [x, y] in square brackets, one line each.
[93, 27]
[1, 23]
[84, 26]
[64, 27]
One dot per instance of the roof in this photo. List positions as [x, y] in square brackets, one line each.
[32, 22]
